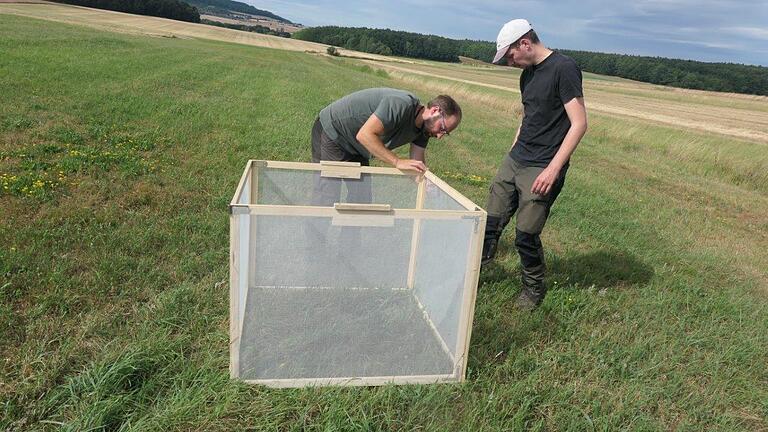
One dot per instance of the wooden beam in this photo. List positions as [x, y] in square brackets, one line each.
[469, 296]
[253, 198]
[336, 173]
[288, 210]
[416, 234]
[343, 170]
[254, 175]
[339, 164]
[241, 185]
[355, 381]
[234, 300]
[283, 288]
[380, 208]
[437, 334]
[306, 166]
[363, 215]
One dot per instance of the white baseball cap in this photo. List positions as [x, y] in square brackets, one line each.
[509, 34]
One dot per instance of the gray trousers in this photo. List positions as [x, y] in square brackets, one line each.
[510, 193]
[328, 190]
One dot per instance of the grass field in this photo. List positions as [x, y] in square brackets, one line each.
[119, 154]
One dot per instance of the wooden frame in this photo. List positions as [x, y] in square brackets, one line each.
[354, 381]
[245, 203]
[416, 231]
[348, 170]
[234, 301]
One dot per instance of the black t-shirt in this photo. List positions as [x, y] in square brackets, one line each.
[546, 87]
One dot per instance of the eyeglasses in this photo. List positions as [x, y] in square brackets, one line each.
[443, 129]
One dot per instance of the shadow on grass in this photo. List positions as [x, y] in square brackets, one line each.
[500, 329]
[601, 269]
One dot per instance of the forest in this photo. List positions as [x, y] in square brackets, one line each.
[172, 9]
[723, 77]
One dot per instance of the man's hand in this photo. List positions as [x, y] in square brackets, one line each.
[410, 165]
[543, 183]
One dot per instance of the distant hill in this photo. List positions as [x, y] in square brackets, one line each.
[217, 7]
[244, 27]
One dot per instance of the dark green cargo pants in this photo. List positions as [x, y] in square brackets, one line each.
[510, 192]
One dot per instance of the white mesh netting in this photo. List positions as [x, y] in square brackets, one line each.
[319, 300]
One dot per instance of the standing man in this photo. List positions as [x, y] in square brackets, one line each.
[533, 172]
[374, 122]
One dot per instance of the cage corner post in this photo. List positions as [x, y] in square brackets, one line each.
[416, 234]
[239, 265]
[253, 198]
[234, 298]
[472, 278]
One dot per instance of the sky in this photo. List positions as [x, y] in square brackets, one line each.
[713, 31]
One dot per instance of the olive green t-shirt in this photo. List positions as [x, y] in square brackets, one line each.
[396, 109]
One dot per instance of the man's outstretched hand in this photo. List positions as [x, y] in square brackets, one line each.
[410, 165]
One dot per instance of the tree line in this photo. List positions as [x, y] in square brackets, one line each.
[173, 9]
[727, 77]
[385, 42]
[724, 77]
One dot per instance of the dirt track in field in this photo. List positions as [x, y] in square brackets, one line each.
[732, 115]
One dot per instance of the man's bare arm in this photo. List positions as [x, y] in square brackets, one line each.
[577, 114]
[369, 136]
[517, 134]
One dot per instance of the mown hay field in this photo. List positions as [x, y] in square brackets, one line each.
[118, 156]
[107, 20]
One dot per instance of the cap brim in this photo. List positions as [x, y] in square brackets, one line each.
[500, 54]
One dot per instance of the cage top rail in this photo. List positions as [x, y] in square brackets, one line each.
[350, 170]
[290, 210]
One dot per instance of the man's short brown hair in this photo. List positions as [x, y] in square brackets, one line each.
[447, 105]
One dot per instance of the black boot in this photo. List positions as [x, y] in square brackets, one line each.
[533, 269]
[492, 234]
[534, 289]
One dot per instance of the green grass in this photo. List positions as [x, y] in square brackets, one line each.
[113, 274]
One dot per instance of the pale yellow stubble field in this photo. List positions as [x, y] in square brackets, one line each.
[145, 25]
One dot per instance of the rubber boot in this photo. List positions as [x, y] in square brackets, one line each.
[531, 253]
[534, 289]
[493, 231]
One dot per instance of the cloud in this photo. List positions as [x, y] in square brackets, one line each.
[709, 30]
[750, 32]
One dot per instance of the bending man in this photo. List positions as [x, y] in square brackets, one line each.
[373, 122]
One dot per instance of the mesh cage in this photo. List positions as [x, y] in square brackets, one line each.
[350, 275]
